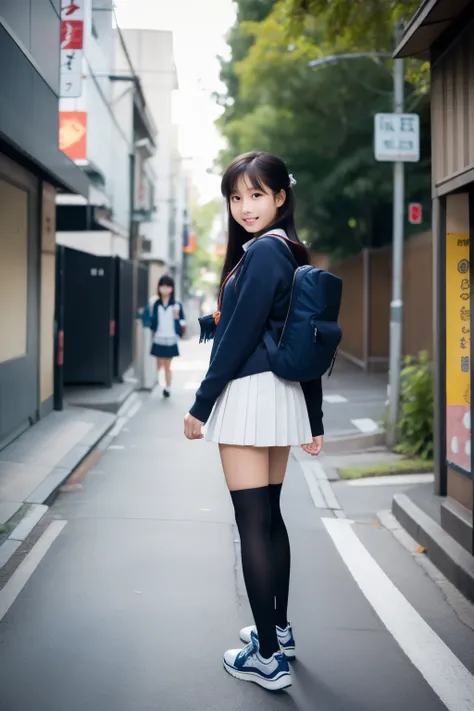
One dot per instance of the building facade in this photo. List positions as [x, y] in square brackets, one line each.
[32, 171]
[151, 52]
[110, 135]
[442, 32]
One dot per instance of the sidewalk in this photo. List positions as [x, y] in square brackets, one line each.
[34, 465]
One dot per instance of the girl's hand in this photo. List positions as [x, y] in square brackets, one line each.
[314, 447]
[192, 427]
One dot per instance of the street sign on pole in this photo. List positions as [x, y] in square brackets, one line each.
[415, 213]
[397, 137]
[390, 138]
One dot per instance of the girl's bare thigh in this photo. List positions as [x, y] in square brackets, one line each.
[245, 467]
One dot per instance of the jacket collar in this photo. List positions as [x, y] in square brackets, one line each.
[278, 232]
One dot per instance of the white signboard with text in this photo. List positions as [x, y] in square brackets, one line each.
[397, 137]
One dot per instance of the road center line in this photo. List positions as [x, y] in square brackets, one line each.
[443, 671]
[27, 567]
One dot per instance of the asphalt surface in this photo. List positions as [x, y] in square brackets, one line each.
[134, 603]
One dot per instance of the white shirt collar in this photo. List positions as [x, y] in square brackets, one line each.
[279, 232]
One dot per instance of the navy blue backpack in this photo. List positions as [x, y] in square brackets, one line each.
[311, 335]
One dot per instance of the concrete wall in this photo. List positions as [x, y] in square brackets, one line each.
[151, 52]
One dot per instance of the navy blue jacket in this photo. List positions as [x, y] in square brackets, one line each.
[178, 322]
[256, 298]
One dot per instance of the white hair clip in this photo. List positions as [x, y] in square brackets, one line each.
[292, 181]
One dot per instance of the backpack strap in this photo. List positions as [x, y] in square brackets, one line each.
[284, 241]
[270, 344]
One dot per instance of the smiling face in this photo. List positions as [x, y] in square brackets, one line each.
[253, 208]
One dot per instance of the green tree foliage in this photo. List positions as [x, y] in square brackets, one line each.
[357, 24]
[320, 122]
[203, 216]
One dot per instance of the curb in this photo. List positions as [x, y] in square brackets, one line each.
[39, 502]
[47, 491]
[446, 554]
[346, 444]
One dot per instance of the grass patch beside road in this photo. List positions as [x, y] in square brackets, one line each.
[403, 466]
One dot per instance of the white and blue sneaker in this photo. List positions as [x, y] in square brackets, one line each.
[248, 665]
[285, 639]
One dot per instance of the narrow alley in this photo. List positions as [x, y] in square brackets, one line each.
[132, 590]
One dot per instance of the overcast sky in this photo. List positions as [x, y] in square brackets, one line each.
[199, 28]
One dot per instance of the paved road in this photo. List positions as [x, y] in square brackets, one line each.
[140, 591]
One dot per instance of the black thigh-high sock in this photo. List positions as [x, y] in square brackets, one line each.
[281, 556]
[253, 518]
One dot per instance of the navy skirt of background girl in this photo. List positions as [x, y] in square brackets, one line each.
[164, 351]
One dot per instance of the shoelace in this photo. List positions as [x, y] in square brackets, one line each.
[247, 651]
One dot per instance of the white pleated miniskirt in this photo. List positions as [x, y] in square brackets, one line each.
[260, 410]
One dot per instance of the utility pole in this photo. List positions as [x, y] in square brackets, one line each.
[396, 305]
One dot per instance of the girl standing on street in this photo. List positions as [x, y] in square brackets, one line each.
[254, 416]
[167, 324]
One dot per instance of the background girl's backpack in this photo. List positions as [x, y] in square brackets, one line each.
[311, 335]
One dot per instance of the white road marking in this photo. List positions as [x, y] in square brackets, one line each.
[366, 425]
[133, 411]
[34, 514]
[118, 426]
[27, 567]
[392, 480]
[443, 671]
[117, 446]
[334, 399]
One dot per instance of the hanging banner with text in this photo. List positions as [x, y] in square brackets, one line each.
[458, 345]
[72, 47]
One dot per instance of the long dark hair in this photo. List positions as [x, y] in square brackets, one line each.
[264, 170]
[166, 280]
